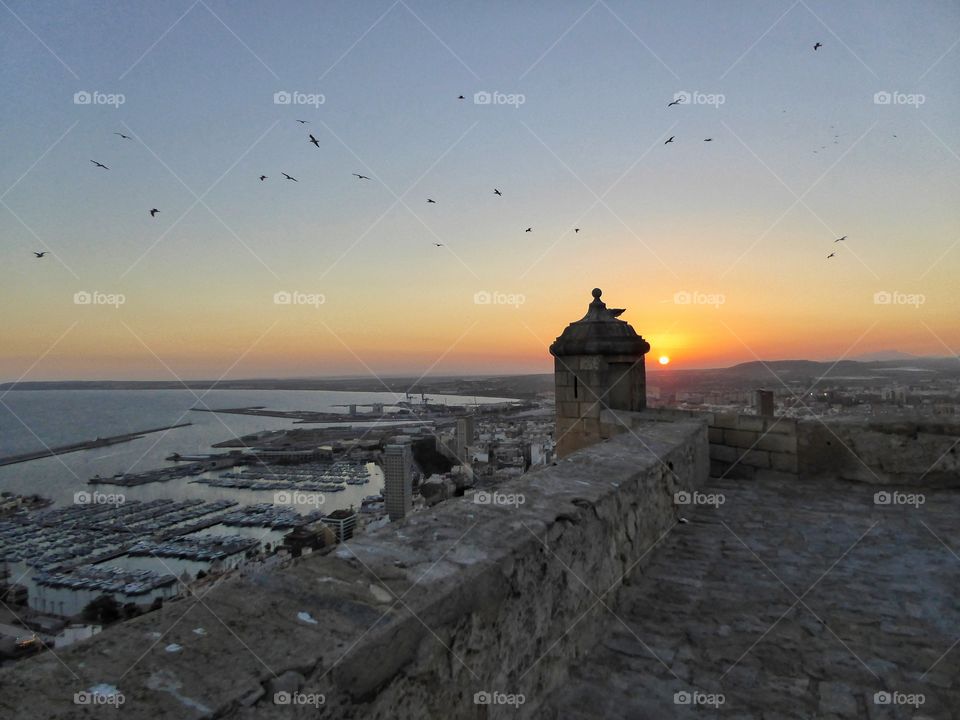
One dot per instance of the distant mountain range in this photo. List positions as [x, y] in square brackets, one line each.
[759, 374]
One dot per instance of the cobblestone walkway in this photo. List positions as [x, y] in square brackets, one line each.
[801, 600]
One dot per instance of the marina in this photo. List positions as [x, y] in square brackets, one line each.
[328, 477]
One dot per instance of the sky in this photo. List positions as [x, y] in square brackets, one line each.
[717, 249]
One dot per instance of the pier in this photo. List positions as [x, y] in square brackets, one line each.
[85, 445]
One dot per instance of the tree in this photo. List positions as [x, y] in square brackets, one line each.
[103, 609]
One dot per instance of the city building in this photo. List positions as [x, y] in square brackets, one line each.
[342, 522]
[398, 478]
[465, 436]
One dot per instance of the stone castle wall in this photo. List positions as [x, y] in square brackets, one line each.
[407, 622]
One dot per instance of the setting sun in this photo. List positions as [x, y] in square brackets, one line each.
[664, 360]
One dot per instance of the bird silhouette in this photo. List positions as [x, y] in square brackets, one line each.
[818, 45]
[840, 239]
[576, 230]
[678, 101]
[708, 139]
[39, 254]
[529, 229]
[262, 178]
[288, 177]
[100, 165]
[830, 255]
[461, 98]
[429, 200]
[497, 192]
[314, 141]
[439, 244]
[125, 137]
[303, 122]
[153, 213]
[670, 140]
[360, 177]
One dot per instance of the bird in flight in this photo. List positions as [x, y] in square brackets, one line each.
[439, 244]
[430, 200]
[100, 165]
[303, 122]
[840, 239]
[39, 254]
[262, 178]
[708, 139]
[125, 137]
[818, 45]
[461, 98]
[497, 192]
[530, 229]
[153, 213]
[670, 140]
[678, 101]
[830, 255]
[288, 177]
[360, 177]
[576, 230]
[314, 140]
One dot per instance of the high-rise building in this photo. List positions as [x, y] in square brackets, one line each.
[398, 478]
[765, 403]
[465, 435]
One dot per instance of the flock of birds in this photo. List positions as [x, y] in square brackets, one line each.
[313, 140]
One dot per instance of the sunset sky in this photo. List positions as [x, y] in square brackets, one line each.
[803, 151]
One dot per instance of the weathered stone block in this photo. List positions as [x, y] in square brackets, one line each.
[784, 462]
[750, 422]
[756, 458]
[777, 443]
[740, 438]
[724, 452]
[725, 421]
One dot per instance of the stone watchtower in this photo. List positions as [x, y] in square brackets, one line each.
[598, 365]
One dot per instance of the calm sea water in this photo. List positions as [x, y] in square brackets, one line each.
[30, 419]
